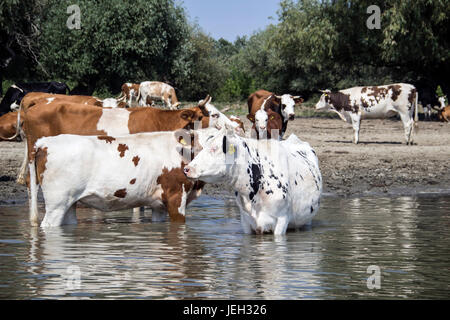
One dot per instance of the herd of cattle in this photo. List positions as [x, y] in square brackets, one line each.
[122, 153]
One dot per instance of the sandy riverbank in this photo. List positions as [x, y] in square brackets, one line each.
[380, 164]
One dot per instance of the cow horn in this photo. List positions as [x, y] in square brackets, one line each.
[278, 97]
[325, 91]
[205, 101]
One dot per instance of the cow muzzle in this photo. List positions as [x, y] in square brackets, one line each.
[292, 116]
[189, 172]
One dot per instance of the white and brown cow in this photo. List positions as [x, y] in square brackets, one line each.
[283, 105]
[130, 93]
[277, 184]
[111, 173]
[155, 90]
[376, 102]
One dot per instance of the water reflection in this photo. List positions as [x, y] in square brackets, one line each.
[117, 255]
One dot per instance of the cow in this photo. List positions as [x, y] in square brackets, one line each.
[277, 184]
[444, 114]
[219, 120]
[16, 92]
[111, 173]
[354, 104]
[266, 123]
[113, 103]
[155, 90]
[34, 98]
[283, 105]
[67, 118]
[130, 93]
[9, 123]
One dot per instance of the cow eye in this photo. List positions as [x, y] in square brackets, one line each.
[283, 106]
[215, 115]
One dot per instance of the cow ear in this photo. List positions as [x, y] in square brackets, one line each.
[298, 99]
[187, 115]
[250, 117]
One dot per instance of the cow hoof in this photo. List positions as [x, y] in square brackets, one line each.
[20, 180]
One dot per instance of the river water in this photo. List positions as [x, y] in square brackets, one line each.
[367, 248]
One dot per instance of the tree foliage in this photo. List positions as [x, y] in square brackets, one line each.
[315, 44]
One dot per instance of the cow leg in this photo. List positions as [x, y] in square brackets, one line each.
[356, 122]
[70, 217]
[54, 216]
[32, 195]
[408, 124]
[246, 225]
[281, 226]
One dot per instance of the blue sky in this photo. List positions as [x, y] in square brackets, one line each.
[231, 18]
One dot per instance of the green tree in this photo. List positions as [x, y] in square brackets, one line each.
[118, 41]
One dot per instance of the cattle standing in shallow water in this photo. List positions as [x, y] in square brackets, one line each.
[358, 103]
[277, 183]
[283, 105]
[110, 173]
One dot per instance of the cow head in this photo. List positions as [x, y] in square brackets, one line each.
[324, 101]
[215, 160]
[287, 104]
[219, 120]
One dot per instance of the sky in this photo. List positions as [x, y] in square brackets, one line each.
[231, 18]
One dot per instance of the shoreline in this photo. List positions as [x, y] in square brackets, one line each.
[380, 165]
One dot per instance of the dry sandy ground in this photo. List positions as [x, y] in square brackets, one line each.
[380, 164]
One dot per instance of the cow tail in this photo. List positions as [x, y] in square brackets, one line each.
[416, 109]
[17, 126]
[138, 96]
[33, 189]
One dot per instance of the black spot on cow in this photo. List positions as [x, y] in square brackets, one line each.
[269, 191]
[255, 179]
[312, 209]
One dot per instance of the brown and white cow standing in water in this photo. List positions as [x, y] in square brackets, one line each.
[283, 105]
[112, 173]
[66, 118]
[130, 93]
[376, 102]
[155, 90]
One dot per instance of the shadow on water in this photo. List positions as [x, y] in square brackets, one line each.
[115, 255]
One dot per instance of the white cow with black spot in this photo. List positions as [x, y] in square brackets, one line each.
[277, 184]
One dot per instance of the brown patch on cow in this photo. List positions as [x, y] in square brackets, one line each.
[108, 139]
[396, 91]
[121, 193]
[363, 90]
[136, 160]
[172, 184]
[41, 161]
[341, 101]
[133, 181]
[122, 148]
[412, 96]
[378, 93]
